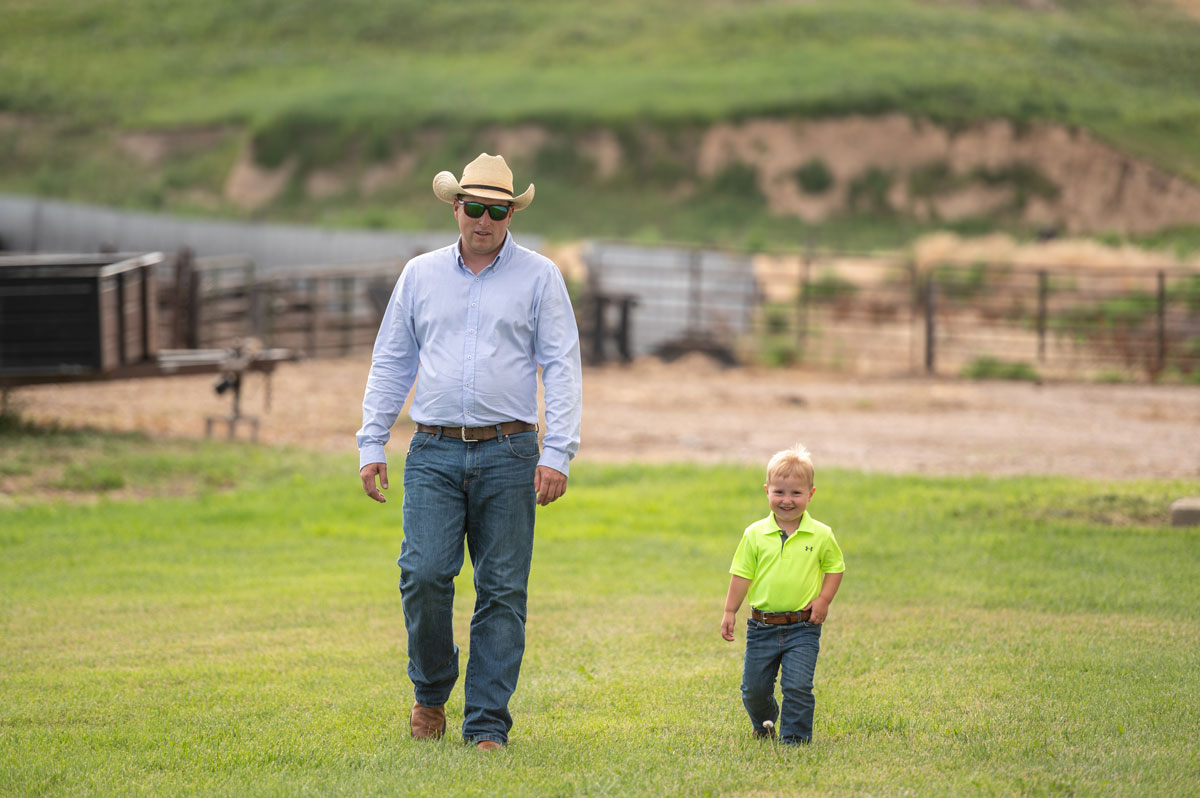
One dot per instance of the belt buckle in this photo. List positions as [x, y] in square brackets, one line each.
[462, 433]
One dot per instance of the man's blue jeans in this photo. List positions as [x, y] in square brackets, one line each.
[791, 651]
[481, 492]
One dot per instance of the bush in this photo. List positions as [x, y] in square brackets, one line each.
[779, 351]
[829, 287]
[960, 283]
[991, 368]
[814, 177]
[737, 180]
[868, 192]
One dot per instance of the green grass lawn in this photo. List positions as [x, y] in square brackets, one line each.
[226, 622]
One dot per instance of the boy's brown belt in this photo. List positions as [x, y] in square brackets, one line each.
[478, 433]
[780, 617]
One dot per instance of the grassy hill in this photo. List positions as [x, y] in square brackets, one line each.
[359, 81]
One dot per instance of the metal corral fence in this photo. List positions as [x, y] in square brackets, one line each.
[865, 314]
[877, 314]
[992, 319]
[316, 311]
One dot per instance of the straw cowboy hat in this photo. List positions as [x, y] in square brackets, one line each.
[488, 176]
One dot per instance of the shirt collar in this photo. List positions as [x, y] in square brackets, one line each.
[772, 528]
[502, 254]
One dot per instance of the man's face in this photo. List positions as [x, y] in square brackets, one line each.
[485, 235]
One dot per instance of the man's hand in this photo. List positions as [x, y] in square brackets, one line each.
[368, 473]
[548, 483]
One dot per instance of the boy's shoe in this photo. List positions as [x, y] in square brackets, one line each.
[427, 723]
[768, 731]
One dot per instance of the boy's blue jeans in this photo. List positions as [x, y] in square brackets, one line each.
[481, 492]
[791, 651]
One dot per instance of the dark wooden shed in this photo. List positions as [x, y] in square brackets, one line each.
[76, 316]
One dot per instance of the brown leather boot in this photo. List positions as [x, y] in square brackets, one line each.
[427, 723]
[488, 745]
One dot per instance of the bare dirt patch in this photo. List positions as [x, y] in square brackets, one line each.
[695, 411]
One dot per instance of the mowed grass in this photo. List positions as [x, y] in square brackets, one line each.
[244, 636]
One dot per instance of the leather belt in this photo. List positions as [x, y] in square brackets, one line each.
[479, 433]
[780, 617]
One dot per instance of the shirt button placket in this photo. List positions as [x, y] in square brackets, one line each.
[470, 348]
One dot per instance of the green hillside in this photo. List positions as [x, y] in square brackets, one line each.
[357, 82]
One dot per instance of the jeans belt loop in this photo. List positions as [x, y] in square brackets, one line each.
[500, 432]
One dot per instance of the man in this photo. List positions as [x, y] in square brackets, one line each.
[471, 323]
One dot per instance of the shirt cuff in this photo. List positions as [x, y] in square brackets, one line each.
[371, 453]
[556, 459]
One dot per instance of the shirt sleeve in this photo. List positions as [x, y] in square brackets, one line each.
[745, 559]
[393, 371]
[557, 352]
[831, 557]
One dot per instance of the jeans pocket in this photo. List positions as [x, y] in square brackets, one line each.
[523, 445]
[419, 441]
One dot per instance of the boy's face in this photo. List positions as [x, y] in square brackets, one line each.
[789, 495]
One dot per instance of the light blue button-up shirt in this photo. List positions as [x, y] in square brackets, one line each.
[473, 345]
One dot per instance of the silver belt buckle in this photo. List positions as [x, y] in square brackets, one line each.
[462, 433]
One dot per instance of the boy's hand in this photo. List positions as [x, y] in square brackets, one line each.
[727, 624]
[820, 610]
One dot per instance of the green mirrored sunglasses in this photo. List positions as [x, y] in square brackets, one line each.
[476, 209]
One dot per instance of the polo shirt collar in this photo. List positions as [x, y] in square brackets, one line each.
[772, 528]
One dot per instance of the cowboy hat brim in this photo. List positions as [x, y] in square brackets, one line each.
[447, 189]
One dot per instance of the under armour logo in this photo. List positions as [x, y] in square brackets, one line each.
[808, 548]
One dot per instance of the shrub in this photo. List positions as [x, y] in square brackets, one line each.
[829, 287]
[930, 180]
[962, 283]
[992, 368]
[869, 192]
[814, 177]
[737, 180]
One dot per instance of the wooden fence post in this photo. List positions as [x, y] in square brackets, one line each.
[180, 324]
[1042, 290]
[194, 301]
[930, 323]
[1162, 323]
[314, 315]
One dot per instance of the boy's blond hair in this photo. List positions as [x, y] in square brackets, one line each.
[795, 461]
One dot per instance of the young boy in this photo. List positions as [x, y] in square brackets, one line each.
[790, 565]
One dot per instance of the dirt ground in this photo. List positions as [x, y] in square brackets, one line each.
[693, 410]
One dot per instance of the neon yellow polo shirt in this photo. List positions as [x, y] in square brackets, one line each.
[786, 577]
